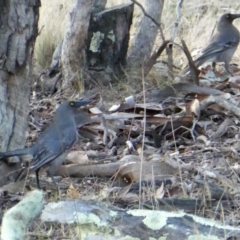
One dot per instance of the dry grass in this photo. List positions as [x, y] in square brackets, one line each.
[53, 22]
[44, 49]
[197, 24]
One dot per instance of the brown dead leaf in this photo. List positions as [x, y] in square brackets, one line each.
[178, 127]
[159, 193]
[194, 108]
[129, 103]
[73, 193]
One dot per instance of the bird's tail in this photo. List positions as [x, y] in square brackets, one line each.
[198, 62]
[201, 60]
[26, 153]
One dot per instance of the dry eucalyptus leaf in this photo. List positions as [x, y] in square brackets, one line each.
[204, 139]
[159, 193]
[130, 101]
[95, 110]
[130, 145]
[73, 193]
[114, 108]
[195, 108]
[209, 174]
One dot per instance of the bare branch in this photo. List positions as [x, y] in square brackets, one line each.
[178, 12]
[147, 15]
[153, 58]
[193, 69]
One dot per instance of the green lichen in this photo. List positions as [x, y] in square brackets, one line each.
[202, 237]
[111, 36]
[96, 41]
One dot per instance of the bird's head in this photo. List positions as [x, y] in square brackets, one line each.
[228, 18]
[78, 103]
[72, 105]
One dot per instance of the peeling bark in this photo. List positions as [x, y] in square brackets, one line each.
[18, 31]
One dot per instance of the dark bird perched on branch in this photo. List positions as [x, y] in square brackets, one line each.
[54, 143]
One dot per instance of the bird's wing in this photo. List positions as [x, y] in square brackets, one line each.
[216, 46]
[48, 154]
[36, 164]
[52, 147]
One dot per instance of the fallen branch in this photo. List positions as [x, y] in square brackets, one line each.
[103, 221]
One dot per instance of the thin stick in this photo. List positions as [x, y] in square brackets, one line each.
[143, 138]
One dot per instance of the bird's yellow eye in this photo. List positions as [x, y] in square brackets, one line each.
[72, 103]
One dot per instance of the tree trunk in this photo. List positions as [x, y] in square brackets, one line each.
[18, 31]
[144, 30]
[73, 48]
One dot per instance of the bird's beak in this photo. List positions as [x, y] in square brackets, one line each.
[80, 103]
[234, 16]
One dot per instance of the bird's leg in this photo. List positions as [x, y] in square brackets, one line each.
[54, 181]
[37, 178]
[227, 68]
[50, 173]
[214, 66]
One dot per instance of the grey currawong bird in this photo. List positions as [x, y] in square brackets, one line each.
[223, 44]
[54, 143]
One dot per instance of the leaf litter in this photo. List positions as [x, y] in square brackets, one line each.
[189, 150]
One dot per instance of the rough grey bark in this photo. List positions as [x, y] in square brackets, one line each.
[18, 30]
[144, 30]
[98, 5]
[107, 44]
[73, 48]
